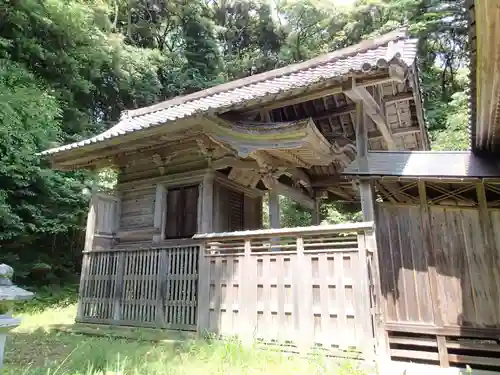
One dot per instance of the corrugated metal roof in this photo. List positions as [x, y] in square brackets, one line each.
[394, 47]
[425, 164]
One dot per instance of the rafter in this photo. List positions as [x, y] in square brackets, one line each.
[402, 96]
[374, 110]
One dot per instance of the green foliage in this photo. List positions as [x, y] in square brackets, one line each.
[48, 297]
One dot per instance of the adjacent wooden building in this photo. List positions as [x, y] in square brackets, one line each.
[179, 243]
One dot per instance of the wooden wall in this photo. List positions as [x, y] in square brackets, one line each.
[440, 280]
[235, 207]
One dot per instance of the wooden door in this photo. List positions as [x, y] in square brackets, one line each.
[182, 212]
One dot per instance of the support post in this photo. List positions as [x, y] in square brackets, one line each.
[367, 206]
[91, 222]
[160, 213]
[274, 216]
[316, 220]
[203, 308]
[274, 209]
[207, 204]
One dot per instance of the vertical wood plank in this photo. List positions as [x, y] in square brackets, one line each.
[430, 253]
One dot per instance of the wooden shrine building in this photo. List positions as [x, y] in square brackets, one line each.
[180, 244]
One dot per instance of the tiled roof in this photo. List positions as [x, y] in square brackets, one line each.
[426, 164]
[394, 47]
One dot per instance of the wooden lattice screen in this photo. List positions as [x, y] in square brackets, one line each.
[155, 287]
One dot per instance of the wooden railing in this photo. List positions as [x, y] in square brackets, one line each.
[300, 288]
[149, 286]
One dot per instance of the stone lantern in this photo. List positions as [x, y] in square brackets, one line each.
[9, 294]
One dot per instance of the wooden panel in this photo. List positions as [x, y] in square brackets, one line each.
[403, 265]
[233, 210]
[137, 208]
[153, 287]
[252, 213]
[302, 291]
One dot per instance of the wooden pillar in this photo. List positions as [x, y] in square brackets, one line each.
[274, 209]
[316, 220]
[367, 206]
[91, 221]
[160, 213]
[207, 202]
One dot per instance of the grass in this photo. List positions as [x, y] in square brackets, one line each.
[37, 348]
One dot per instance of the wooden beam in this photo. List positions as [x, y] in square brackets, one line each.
[419, 109]
[398, 98]
[300, 176]
[294, 194]
[372, 109]
[342, 194]
[319, 182]
[400, 131]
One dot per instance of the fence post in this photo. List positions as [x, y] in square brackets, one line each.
[203, 292]
[302, 300]
[161, 290]
[364, 310]
[382, 349]
[248, 293]
[118, 292]
[80, 311]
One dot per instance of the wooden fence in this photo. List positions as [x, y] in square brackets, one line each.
[151, 287]
[301, 288]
